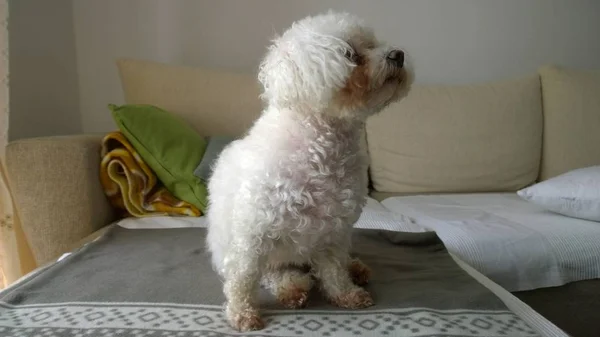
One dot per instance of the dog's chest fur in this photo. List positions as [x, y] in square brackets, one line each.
[321, 175]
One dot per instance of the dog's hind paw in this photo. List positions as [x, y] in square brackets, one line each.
[357, 298]
[293, 298]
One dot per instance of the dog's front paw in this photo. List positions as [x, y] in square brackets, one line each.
[359, 272]
[293, 297]
[356, 298]
[246, 320]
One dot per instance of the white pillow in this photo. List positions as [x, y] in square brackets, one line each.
[575, 193]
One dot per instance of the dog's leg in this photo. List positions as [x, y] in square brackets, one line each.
[291, 286]
[331, 268]
[359, 272]
[242, 277]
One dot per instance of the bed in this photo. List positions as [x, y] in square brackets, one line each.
[152, 277]
[519, 246]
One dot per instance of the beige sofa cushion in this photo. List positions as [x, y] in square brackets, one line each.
[472, 138]
[571, 120]
[214, 102]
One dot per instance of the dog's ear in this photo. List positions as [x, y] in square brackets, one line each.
[304, 67]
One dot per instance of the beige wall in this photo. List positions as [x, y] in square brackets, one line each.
[451, 41]
[44, 89]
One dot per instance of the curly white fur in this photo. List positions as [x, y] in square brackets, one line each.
[289, 192]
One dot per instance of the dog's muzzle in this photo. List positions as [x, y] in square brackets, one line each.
[396, 57]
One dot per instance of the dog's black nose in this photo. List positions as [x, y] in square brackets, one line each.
[396, 56]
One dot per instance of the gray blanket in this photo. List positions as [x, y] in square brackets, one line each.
[158, 282]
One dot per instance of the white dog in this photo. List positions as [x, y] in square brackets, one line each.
[288, 193]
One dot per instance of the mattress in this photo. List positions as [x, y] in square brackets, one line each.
[517, 244]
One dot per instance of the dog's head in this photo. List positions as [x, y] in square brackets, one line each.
[333, 64]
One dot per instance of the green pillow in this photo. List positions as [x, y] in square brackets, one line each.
[170, 147]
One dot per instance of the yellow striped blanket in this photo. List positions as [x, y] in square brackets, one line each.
[131, 186]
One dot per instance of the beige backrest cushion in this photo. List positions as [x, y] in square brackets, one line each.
[215, 102]
[571, 120]
[471, 138]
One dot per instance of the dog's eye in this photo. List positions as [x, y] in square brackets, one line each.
[351, 55]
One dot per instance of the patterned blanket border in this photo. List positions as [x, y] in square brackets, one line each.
[148, 319]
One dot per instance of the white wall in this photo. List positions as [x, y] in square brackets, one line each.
[454, 41]
[44, 89]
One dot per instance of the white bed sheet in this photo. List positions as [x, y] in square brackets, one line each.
[163, 222]
[518, 245]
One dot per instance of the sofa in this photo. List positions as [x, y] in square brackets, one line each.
[491, 138]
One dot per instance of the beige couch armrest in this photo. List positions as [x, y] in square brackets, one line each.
[57, 191]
